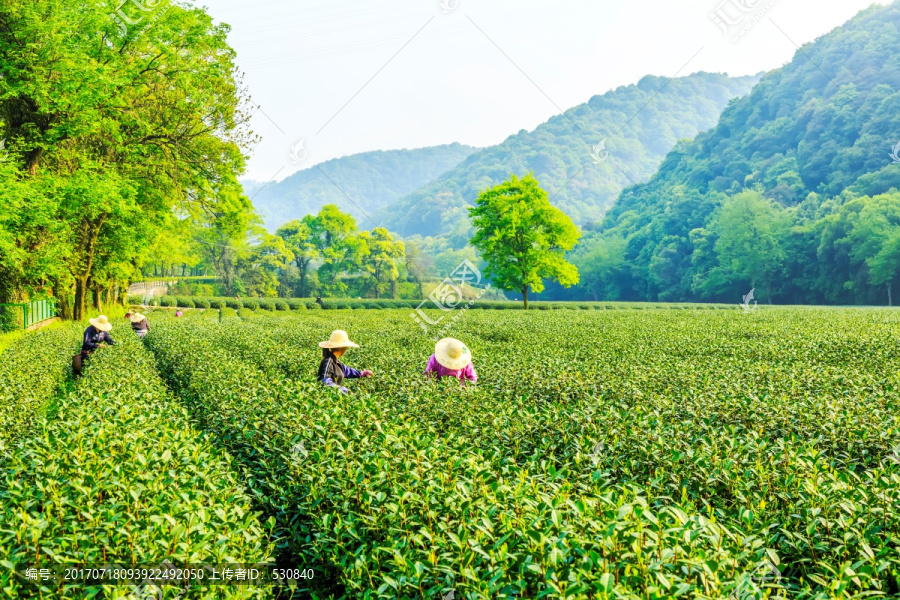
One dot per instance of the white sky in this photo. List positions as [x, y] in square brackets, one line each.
[305, 59]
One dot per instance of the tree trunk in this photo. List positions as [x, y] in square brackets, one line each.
[98, 300]
[525, 296]
[394, 289]
[62, 301]
[890, 299]
[79, 310]
[303, 282]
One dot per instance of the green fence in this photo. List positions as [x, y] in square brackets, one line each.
[23, 316]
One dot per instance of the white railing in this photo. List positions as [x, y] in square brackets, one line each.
[157, 288]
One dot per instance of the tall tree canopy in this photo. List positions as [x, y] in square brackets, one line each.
[522, 237]
[113, 132]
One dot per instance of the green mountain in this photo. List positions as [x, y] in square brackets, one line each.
[370, 179]
[636, 125]
[778, 195]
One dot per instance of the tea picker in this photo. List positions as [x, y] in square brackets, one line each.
[95, 335]
[139, 324]
[331, 371]
[451, 358]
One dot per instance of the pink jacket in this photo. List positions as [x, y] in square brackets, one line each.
[436, 368]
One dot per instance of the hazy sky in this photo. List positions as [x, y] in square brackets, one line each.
[349, 76]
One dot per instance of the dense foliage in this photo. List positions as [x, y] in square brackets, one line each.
[793, 192]
[630, 454]
[31, 372]
[639, 123]
[522, 237]
[115, 137]
[372, 179]
[120, 476]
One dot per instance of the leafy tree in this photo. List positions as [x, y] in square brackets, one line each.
[298, 235]
[381, 261]
[335, 235]
[522, 237]
[418, 263]
[750, 232]
[885, 266]
[600, 267]
[123, 126]
[263, 265]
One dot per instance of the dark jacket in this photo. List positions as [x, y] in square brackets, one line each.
[143, 325]
[93, 337]
[333, 372]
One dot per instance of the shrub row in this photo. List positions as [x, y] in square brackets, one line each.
[31, 371]
[285, 304]
[121, 477]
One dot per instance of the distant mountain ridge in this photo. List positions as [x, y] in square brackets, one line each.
[638, 124]
[371, 180]
[815, 140]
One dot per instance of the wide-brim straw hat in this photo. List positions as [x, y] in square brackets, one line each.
[452, 354]
[338, 339]
[136, 318]
[101, 323]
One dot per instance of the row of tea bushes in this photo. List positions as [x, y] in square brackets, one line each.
[397, 506]
[294, 304]
[31, 372]
[122, 477]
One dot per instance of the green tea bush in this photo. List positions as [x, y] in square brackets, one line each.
[168, 301]
[296, 303]
[185, 302]
[250, 303]
[234, 303]
[31, 371]
[200, 302]
[281, 305]
[217, 303]
[121, 477]
[266, 304]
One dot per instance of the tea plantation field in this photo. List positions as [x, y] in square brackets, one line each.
[603, 454]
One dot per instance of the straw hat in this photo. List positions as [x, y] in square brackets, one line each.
[136, 318]
[452, 354]
[338, 339]
[101, 323]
